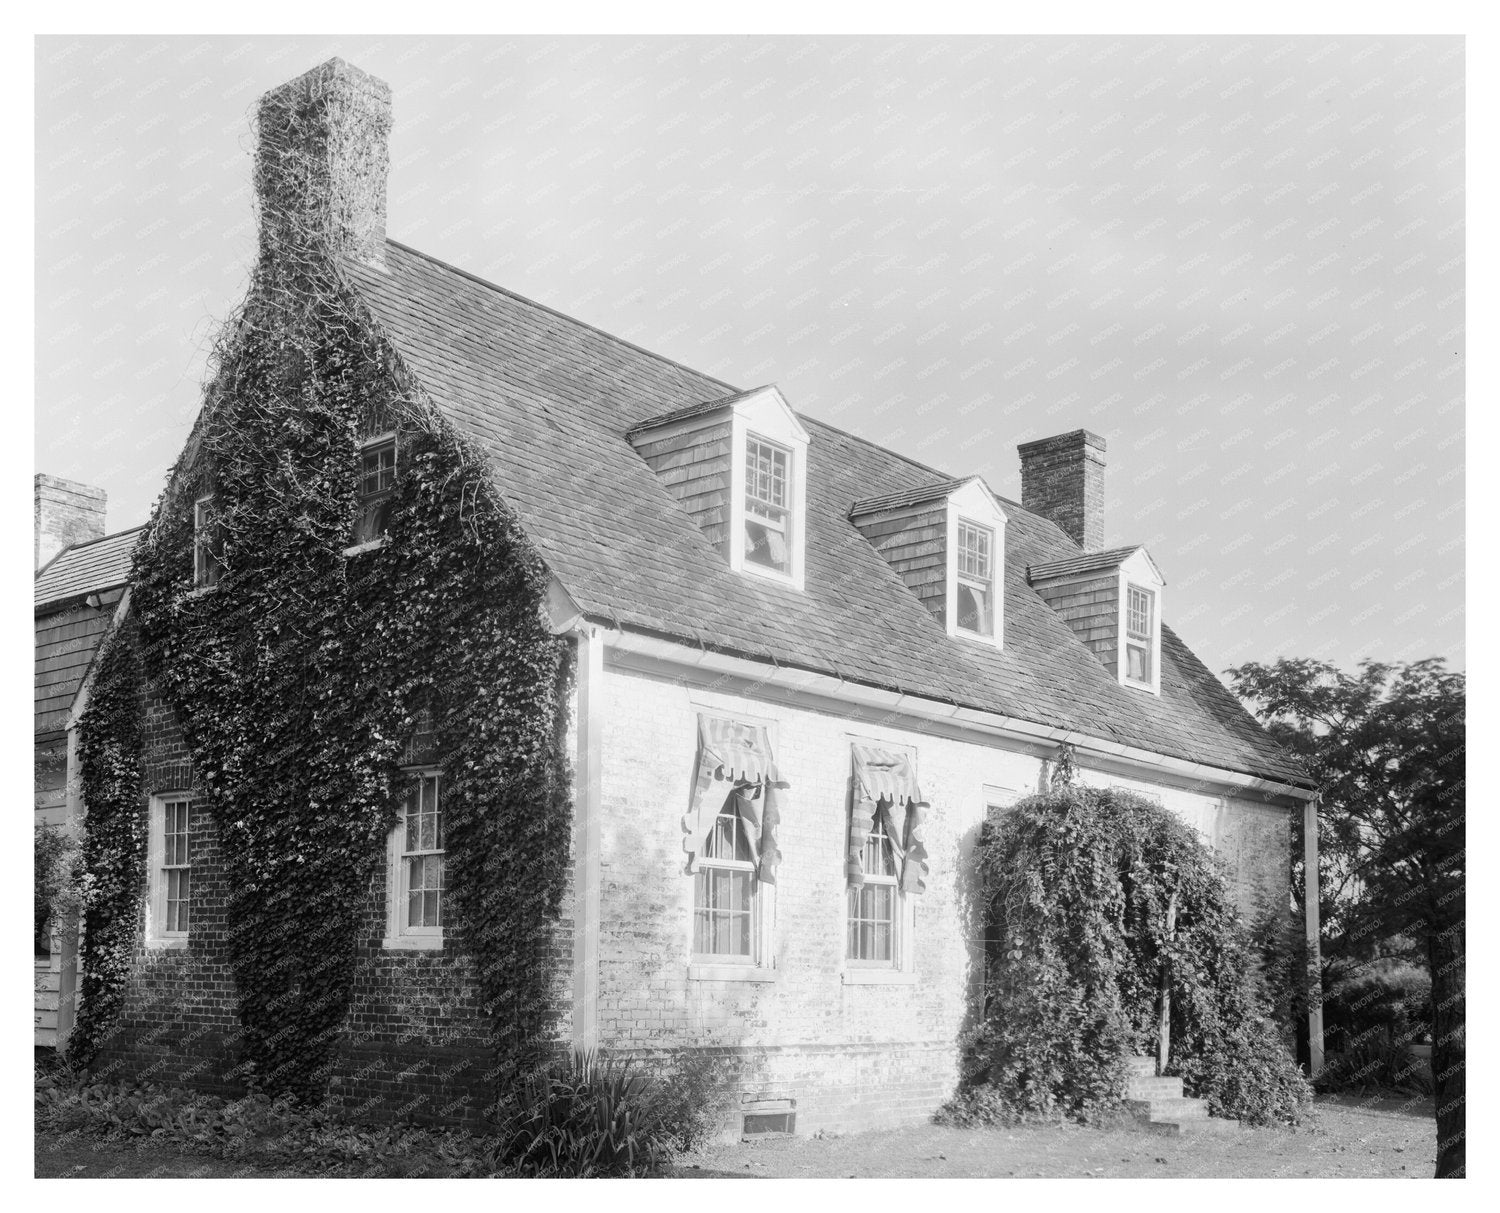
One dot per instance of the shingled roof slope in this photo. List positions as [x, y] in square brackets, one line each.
[551, 399]
[85, 568]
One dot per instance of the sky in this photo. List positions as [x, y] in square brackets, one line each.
[1241, 260]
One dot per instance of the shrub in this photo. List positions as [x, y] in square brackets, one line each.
[1076, 888]
[691, 1096]
[590, 1116]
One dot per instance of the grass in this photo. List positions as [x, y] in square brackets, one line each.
[1348, 1138]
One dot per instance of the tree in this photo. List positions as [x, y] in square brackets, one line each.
[1386, 746]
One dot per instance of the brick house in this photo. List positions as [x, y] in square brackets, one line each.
[808, 668]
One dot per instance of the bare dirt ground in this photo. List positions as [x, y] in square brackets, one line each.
[1348, 1138]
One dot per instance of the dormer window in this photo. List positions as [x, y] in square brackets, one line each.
[976, 579]
[377, 481]
[1140, 635]
[767, 529]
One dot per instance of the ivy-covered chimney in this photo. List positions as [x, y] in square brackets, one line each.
[321, 164]
[1062, 479]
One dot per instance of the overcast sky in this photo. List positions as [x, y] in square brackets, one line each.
[1240, 260]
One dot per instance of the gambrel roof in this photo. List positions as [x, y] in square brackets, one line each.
[552, 401]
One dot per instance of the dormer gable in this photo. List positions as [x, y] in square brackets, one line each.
[738, 465]
[947, 541]
[1112, 600]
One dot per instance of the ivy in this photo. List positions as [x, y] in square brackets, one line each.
[300, 679]
[114, 841]
[1077, 885]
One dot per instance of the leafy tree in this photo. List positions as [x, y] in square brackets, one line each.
[1386, 746]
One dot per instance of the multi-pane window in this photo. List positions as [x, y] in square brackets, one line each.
[1139, 634]
[421, 907]
[724, 892]
[176, 870]
[976, 579]
[767, 517]
[873, 905]
[208, 561]
[377, 478]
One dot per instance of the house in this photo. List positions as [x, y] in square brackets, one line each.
[80, 581]
[805, 671]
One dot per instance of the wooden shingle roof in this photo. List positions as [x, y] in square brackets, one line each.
[552, 399]
[85, 568]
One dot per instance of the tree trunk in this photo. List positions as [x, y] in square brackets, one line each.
[1445, 962]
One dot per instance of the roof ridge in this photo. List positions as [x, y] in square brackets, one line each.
[495, 286]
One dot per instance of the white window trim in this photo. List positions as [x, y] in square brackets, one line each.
[902, 971]
[973, 504]
[766, 415]
[399, 937]
[761, 964]
[1139, 572]
[156, 936]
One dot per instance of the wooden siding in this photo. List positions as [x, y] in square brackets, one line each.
[692, 461]
[1091, 607]
[914, 540]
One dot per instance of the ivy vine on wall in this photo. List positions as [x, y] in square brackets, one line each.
[300, 677]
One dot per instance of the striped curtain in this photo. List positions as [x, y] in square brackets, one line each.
[735, 763]
[885, 783]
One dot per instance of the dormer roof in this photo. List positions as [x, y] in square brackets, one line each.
[1091, 562]
[920, 496]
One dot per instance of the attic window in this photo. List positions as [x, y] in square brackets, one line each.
[208, 545]
[976, 579]
[767, 519]
[377, 480]
[1139, 634]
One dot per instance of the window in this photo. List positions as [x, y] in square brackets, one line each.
[415, 914]
[976, 579]
[169, 851]
[1139, 635]
[767, 517]
[724, 888]
[377, 479]
[208, 548]
[874, 910]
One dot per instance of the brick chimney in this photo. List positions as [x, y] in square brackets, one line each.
[66, 513]
[1062, 479]
[321, 164]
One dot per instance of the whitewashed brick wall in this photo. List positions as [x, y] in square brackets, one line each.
[851, 1055]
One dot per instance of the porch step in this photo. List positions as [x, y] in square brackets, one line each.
[1159, 1105]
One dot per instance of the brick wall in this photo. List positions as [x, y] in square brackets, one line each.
[852, 1056]
[1062, 479]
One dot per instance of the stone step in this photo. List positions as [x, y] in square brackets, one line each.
[1207, 1127]
[1138, 1087]
[1145, 1066]
[1180, 1108]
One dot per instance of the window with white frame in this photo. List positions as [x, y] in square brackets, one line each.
[1140, 659]
[415, 915]
[725, 921]
[976, 578]
[208, 558]
[377, 480]
[875, 905]
[768, 529]
[169, 853]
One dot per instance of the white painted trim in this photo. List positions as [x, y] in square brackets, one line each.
[1311, 910]
[588, 798]
[973, 503]
[154, 936]
[1141, 573]
[370, 545]
[824, 692]
[698, 971]
[398, 937]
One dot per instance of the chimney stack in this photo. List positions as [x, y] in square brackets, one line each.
[321, 163]
[1062, 479]
[66, 513]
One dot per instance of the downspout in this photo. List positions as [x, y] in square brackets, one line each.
[1310, 889]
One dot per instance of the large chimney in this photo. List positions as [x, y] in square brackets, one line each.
[66, 513]
[1062, 479]
[321, 164]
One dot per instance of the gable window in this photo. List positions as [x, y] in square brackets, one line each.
[767, 518]
[976, 579]
[377, 480]
[873, 914]
[416, 867]
[171, 874]
[208, 561]
[1139, 635]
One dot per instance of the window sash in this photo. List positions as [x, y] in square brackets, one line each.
[975, 549]
[726, 911]
[1138, 662]
[983, 623]
[767, 469]
[174, 880]
[1138, 614]
[422, 859]
[207, 563]
[874, 916]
